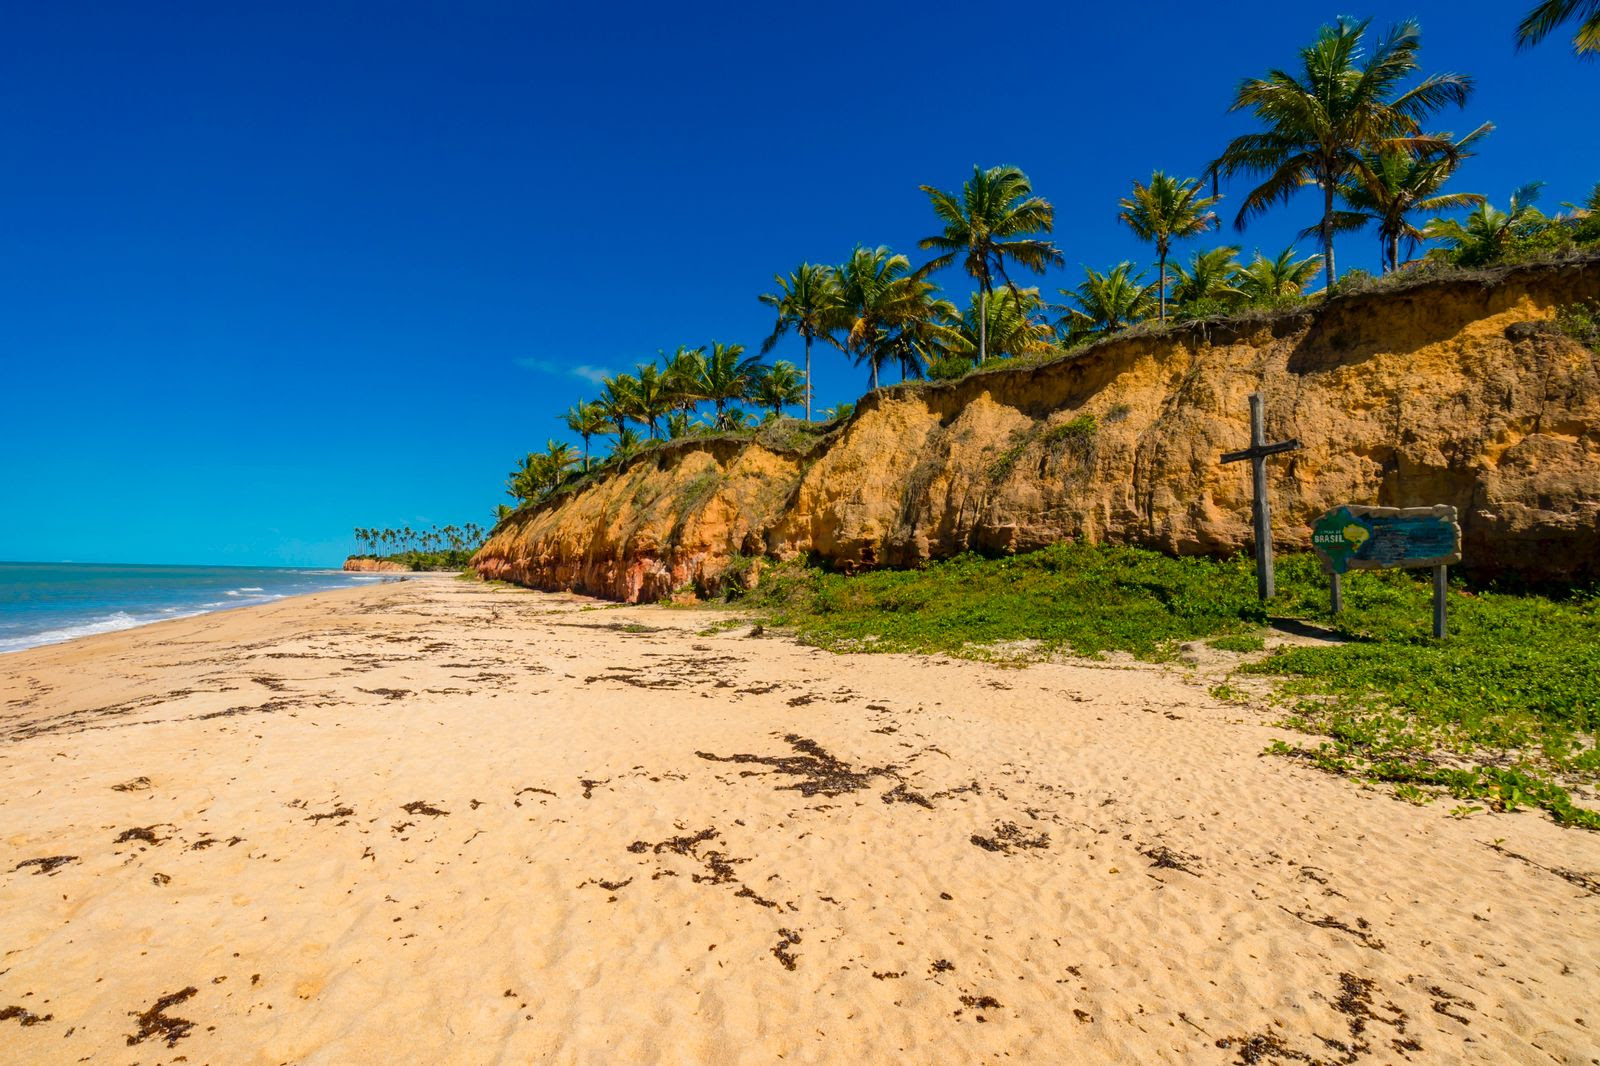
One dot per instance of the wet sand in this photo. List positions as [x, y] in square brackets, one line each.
[435, 821]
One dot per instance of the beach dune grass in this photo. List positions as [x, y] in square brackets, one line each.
[1503, 708]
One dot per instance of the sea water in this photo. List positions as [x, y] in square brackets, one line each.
[43, 603]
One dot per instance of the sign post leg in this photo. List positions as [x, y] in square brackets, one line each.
[1265, 585]
[1440, 587]
[1338, 593]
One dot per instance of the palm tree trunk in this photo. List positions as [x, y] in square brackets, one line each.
[873, 363]
[1327, 232]
[808, 377]
[1394, 251]
[1163, 279]
[983, 321]
[586, 453]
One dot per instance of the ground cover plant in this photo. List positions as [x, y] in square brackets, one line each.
[1503, 712]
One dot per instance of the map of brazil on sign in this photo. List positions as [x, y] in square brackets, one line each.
[1371, 538]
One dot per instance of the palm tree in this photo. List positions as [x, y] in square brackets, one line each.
[1487, 232]
[996, 219]
[1267, 280]
[1009, 323]
[727, 374]
[1545, 17]
[1393, 184]
[626, 444]
[781, 386]
[653, 395]
[881, 298]
[557, 459]
[586, 420]
[808, 303]
[1106, 303]
[618, 400]
[1166, 209]
[684, 369]
[1345, 102]
[1209, 276]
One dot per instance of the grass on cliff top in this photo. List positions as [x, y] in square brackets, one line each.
[1510, 699]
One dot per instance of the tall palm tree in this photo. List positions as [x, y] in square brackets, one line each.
[1266, 280]
[1167, 209]
[779, 387]
[653, 395]
[1346, 101]
[587, 420]
[995, 219]
[1545, 17]
[684, 370]
[1106, 303]
[1209, 276]
[618, 401]
[1394, 184]
[727, 374]
[1010, 322]
[880, 297]
[807, 301]
[1488, 232]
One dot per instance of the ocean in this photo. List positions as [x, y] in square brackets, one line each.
[44, 603]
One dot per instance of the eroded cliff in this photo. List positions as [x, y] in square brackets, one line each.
[1453, 391]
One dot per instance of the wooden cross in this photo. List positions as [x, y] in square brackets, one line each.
[1261, 512]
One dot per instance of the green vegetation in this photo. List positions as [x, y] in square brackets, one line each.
[1546, 16]
[435, 548]
[1499, 712]
[1581, 322]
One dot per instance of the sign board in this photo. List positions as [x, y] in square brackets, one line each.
[1354, 537]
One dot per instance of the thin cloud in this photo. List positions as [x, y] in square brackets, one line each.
[595, 375]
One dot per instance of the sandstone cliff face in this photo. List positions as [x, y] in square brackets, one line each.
[1450, 391]
[355, 563]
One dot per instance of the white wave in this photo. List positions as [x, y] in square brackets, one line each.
[110, 623]
[250, 588]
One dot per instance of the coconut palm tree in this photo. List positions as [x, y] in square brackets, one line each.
[995, 219]
[1209, 276]
[653, 395]
[618, 401]
[807, 302]
[1011, 324]
[880, 298]
[1393, 184]
[626, 443]
[781, 386]
[684, 370]
[1165, 210]
[1488, 232]
[1266, 280]
[586, 420]
[1346, 101]
[1106, 303]
[727, 374]
[1545, 17]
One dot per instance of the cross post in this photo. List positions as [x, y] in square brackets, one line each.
[1260, 510]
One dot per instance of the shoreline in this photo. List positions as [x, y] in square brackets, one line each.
[445, 821]
[97, 627]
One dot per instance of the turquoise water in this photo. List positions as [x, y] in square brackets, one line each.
[43, 603]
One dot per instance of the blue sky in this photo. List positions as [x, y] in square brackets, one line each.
[273, 271]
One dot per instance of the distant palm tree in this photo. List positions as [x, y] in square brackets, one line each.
[1487, 232]
[1106, 303]
[1010, 323]
[1393, 184]
[727, 374]
[1345, 101]
[1209, 276]
[1266, 280]
[781, 386]
[807, 301]
[996, 218]
[683, 371]
[1165, 210]
[586, 420]
[1545, 17]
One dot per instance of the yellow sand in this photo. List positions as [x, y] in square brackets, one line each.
[648, 845]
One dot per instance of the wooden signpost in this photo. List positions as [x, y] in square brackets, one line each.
[1261, 511]
[1353, 537]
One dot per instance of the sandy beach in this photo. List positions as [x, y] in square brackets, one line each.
[437, 821]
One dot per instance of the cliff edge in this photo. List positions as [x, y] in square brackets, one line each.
[1455, 390]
